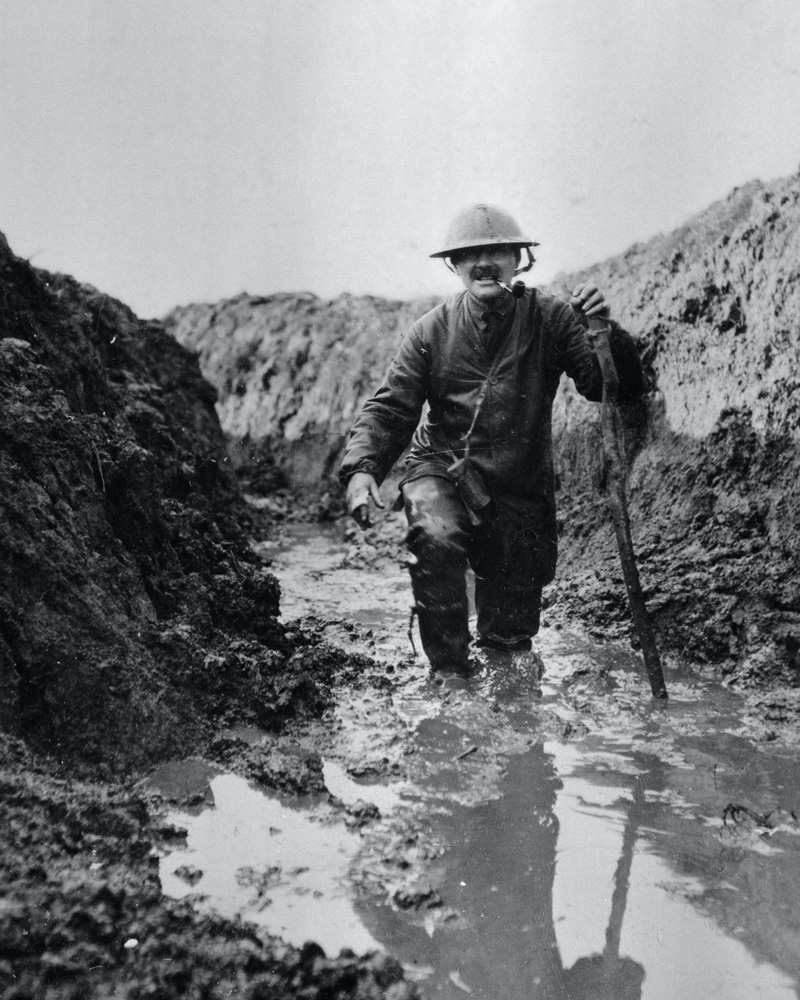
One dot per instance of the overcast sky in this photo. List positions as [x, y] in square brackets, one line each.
[170, 151]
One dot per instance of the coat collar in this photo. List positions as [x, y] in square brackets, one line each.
[492, 314]
[490, 317]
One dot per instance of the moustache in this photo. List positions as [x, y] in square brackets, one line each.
[485, 272]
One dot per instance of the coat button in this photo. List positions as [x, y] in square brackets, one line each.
[494, 380]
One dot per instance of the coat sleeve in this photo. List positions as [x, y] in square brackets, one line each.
[388, 419]
[578, 359]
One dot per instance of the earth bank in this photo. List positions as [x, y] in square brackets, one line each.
[136, 624]
[714, 450]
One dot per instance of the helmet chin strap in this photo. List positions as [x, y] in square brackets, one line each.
[531, 261]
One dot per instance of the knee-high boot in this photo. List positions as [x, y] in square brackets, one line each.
[437, 540]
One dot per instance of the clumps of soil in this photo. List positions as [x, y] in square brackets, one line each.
[280, 764]
[83, 914]
[714, 490]
[132, 613]
[713, 524]
[292, 770]
[417, 899]
[135, 625]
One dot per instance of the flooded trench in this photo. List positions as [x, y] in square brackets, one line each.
[565, 840]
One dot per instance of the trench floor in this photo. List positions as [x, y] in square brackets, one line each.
[562, 838]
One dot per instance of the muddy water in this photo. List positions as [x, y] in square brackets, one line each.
[565, 840]
[284, 868]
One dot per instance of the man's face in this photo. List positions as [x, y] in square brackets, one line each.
[478, 268]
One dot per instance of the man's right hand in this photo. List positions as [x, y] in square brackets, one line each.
[588, 298]
[360, 490]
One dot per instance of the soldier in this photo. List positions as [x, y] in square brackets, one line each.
[478, 487]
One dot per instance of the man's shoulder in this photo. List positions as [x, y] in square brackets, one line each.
[550, 305]
[437, 317]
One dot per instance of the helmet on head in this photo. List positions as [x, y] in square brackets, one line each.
[484, 225]
[479, 226]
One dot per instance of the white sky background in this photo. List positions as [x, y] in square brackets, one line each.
[170, 151]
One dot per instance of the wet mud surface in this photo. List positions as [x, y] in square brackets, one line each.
[558, 838]
[212, 789]
[137, 630]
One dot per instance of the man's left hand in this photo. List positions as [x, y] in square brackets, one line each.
[589, 300]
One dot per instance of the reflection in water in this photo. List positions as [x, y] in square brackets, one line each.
[497, 875]
[534, 909]
[597, 868]
[658, 916]
[585, 875]
[609, 974]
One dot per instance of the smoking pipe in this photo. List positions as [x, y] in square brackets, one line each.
[517, 289]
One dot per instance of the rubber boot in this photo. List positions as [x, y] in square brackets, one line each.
[437, 540]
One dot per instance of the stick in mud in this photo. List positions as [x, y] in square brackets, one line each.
[611, 428]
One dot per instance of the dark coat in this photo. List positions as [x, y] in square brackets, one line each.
[516, 357]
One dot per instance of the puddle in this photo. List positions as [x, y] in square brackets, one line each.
[281, 867]
[624, 901]
[609, 865]
[562, 887]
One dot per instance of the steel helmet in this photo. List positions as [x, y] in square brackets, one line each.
[479, 226]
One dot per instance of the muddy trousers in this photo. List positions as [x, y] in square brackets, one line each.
[442, 543]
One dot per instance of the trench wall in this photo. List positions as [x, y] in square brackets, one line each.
[130, 619]
[713, 450]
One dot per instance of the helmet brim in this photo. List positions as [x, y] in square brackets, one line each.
[488, 242]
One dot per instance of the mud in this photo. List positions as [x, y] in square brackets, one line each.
[166, 644]
[562, 838]
[137, 626]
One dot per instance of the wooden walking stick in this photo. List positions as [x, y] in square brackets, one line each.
[599, 331]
